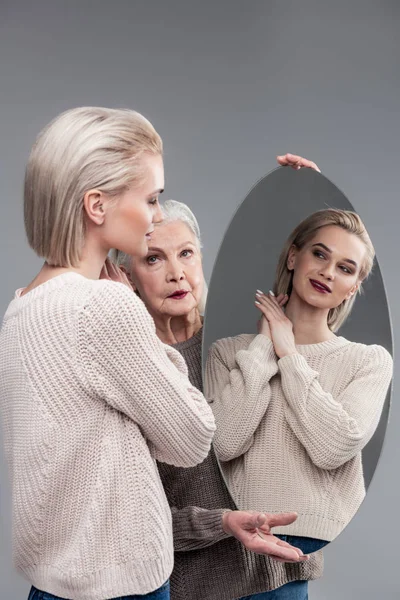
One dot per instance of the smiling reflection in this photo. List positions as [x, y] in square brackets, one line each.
[296, 403]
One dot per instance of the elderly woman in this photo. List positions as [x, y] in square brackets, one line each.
[212, 540]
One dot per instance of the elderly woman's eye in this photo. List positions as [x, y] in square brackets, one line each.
[153, 201]
[152, 259]
[186, 253]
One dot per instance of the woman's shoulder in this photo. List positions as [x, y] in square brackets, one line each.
[114, 302]
[374, 354]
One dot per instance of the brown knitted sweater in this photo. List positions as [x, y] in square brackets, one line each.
[209, 565]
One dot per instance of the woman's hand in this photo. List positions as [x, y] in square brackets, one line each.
[280, 327]
[296, 162]
[114, 273]
[253, 530]
[262, 325]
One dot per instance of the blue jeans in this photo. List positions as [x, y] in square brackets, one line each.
[161, 594]
[294, 590]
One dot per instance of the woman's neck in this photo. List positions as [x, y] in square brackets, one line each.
[310, 324]
[172, 330]
[89, 266]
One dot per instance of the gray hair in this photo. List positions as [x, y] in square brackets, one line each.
[172, 211]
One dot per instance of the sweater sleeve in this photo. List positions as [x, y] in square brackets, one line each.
[195, 528]
[237, 385]
[334, 430]
[127, 365]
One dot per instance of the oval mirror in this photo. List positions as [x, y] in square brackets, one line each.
[301, 397]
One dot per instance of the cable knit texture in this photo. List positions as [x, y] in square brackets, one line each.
[89, 397]
[209, 565]
[290, 431]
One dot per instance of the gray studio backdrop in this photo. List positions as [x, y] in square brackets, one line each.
[247, 260]
[228, 84]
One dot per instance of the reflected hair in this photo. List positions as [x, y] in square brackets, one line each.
[304, 233]
[172, 211]
[81, 149]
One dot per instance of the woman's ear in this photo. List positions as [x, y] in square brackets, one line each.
[94, 202]
[291, 259]
[353, 290]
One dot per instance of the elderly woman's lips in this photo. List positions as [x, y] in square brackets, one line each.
[178, 295]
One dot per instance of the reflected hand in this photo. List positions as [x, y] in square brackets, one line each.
[114, 273]
[281, 328]
[253, 530]
[296, 162]
[262, 325]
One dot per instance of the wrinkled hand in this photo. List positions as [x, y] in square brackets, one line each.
[113, 273]
[296, 162]
[253, 530]
[262, 325]
[281, 328]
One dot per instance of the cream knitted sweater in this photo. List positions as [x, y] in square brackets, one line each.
[290, 431]
[89, 398]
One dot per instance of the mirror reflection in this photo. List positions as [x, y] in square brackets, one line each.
[296, 398]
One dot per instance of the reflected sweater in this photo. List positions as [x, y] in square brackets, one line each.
[290, 431]
[89, 398]
[209, 564]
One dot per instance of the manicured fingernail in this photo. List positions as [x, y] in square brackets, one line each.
[255, 301]
[271, 292]
[260, 292]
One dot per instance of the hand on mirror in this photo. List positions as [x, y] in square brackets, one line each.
[281, 328]
[296, 162]
[253, 530]
[114, 273]
[262, 324]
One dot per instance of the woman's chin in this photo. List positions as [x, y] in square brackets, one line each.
[179, 308]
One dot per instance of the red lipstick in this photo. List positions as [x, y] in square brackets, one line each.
[178, 295]
[320, 287]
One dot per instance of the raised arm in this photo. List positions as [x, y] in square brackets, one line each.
[334, 430]
[127, 365]
[237, 385]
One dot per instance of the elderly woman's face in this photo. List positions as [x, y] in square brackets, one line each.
[170, 278]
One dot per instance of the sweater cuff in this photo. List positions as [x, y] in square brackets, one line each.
[213, 522]
[263, 345]
[295, 362]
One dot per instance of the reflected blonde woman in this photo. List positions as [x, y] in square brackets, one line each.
[296, 404]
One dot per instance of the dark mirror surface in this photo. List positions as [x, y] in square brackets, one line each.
[299, 433]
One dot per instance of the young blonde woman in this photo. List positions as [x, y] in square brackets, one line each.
[89, 395]
[219, 554]
[296, 404]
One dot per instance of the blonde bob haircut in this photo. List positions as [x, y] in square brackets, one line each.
[304, 233]
[83, 148]
[172, 211]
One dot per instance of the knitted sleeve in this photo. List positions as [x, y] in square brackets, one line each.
[238, 389]
[334, 430]
[126, 365]
[195, 527]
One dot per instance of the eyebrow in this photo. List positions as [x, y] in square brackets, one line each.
[348, 260]
[155, 249]
[155, 193]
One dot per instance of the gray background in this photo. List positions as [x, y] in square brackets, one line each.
[247, 261]
[228, 84]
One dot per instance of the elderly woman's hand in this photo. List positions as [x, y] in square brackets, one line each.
[281, 328]
[114, 273]
[253, 530]
[296, 162]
